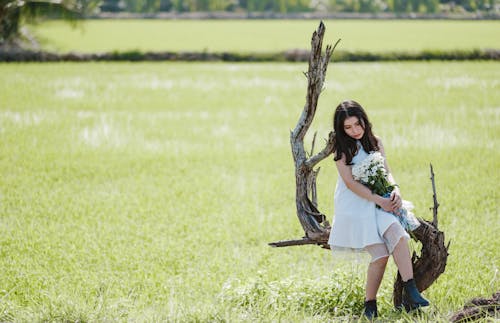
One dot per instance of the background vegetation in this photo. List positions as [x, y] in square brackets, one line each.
[148, 192]
[13, 12]
[261, 36]
[290, 6]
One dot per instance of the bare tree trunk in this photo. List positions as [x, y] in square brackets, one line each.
[314, 223]
[10, 15]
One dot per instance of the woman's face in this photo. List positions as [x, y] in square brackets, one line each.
[354, 128]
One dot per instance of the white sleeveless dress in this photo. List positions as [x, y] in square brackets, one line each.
[357, 223]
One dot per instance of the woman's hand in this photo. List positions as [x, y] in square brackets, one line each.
[390, 204]
[385, 203]
[396, 200]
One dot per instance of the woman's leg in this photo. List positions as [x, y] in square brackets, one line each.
[374, 277]
[395, 236]
[401, 255]
[376, 270]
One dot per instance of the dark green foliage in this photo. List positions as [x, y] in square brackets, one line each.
[295, 6]
[292, 56]
[144, 6]
[13, 11]
[133, 55]
[111, 6]
[9, 19]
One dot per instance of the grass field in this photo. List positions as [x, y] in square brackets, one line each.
[266, 35]
[149, 192]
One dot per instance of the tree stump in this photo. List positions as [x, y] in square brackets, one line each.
[432, 261]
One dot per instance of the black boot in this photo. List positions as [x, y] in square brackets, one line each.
[411, 296]
[371, 309]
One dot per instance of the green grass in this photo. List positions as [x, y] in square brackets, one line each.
[149, 192]
[266, 35]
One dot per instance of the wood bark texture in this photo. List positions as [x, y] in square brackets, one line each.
[314, 223]
[479, 308]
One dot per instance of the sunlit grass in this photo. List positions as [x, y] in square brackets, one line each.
[266, 35]
[149, 192]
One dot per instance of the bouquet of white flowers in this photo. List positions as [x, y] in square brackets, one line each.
[371, 172]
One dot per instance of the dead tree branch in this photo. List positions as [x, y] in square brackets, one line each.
[434, 198]
[479, 308]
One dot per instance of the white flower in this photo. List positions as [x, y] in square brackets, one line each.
[369, 168]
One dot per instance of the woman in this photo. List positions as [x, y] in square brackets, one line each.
[359, 224]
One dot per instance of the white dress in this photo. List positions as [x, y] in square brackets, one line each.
[357, 223]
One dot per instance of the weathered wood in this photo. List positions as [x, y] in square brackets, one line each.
[312, 220]
[479, 308]
[434, 198]
[300, 242]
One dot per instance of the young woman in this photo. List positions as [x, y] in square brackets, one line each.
[358, 223]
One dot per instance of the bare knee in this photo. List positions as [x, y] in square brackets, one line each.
[380, 262]
[401, 242]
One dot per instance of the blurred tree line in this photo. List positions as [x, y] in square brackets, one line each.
[294, 6]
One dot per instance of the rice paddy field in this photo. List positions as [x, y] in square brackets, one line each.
[148, 192]
[259, 36]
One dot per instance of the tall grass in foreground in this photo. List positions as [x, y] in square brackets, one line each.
[258, 36]
[149, 192]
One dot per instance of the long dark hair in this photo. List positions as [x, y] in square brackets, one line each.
[343, 143]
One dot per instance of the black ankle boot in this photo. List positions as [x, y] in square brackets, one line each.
[371, 309]
[411, 296]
